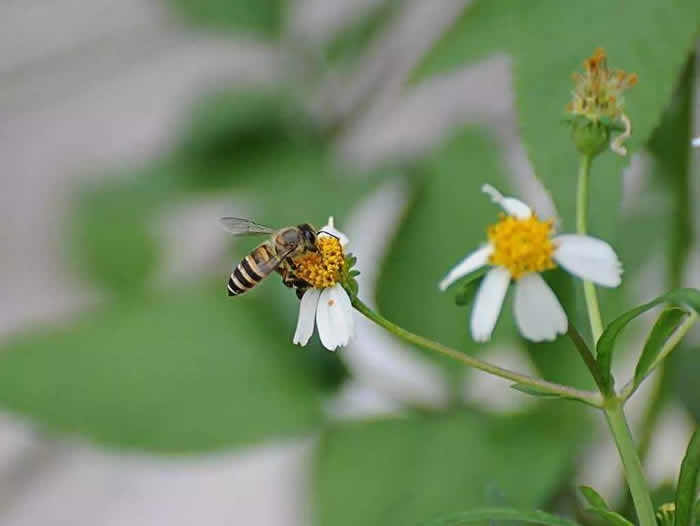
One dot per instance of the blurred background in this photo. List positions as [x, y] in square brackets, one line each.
[133, 391]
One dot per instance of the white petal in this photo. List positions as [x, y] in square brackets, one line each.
[340, 310]
[307, 314]
[696, 142]
[329, 229]
[537, 310]
[473, 261]
[347, 310]
[588, 258]
[331, 325]
[511, 205]
[489, 300]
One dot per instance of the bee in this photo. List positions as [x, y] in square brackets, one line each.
[275, 254]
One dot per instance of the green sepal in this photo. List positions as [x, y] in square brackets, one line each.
[470, 283]
[590, 138]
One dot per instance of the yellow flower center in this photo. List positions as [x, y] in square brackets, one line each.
[324, 268]
[521, 245]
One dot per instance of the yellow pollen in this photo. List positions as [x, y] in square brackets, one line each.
[321, 269]
[521, 245]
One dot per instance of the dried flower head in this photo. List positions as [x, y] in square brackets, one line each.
[598, 91]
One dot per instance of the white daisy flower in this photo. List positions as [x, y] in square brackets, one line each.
[520, 247]
[696, 142]
[326, 301]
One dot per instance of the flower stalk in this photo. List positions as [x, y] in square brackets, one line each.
[589, 291]
[587, 397]
[639, 489]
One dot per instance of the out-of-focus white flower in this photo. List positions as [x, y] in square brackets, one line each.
[521, 246]
[326, 304]
[696, 142]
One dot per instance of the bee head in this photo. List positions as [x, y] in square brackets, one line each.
[308, 234]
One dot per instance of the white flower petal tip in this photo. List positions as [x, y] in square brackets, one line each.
[588, 258]
[329, 229]
[538, 313]
[307, 315]
[472, 262]
[488, 303]
[696, 142]
[511, 205]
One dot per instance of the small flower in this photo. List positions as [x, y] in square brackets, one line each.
[597, 105]
[326, 301]
[696, 142]
[520, 247]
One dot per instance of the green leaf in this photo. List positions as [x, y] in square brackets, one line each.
[407, 470]
[667, 323]
[447, 200]
[593, 498]
[189, 371]
[671, 170]
[543, 61]
[686, 493]
[262, 18]
[611, 517]
[110, 234]
[498, 514]
[606, 343]
[352, 40]
[534, 391]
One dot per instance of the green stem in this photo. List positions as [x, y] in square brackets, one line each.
[587, 356]
[589, 291]
[634, 473]
[587, 397]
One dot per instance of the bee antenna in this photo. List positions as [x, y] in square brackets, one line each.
[332, 235]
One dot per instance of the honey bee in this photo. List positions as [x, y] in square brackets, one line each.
[275, 254]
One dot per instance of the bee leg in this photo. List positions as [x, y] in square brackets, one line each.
[290, 263]
[288, 277]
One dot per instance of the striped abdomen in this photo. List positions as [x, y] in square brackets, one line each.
[255, 267]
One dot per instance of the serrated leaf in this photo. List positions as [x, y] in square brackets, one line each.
[593, 498]
[686, 492]
[606, 343]
[610, 516]
[667, 323]
[189, 371]
[498, 514]
[407, 470]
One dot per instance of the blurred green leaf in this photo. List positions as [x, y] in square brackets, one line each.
[353, 39]
[669, 148]
[606, 343]
[610, 516]
[111, 241]
[666, 324]
[187, 372]
[262, 18]
[407, 470]
[230, 133]
[498, 514]
[645, 37]
[593, 497]
[446, 220]
[686, 493]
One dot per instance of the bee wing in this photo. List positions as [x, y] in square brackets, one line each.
[244, 227]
